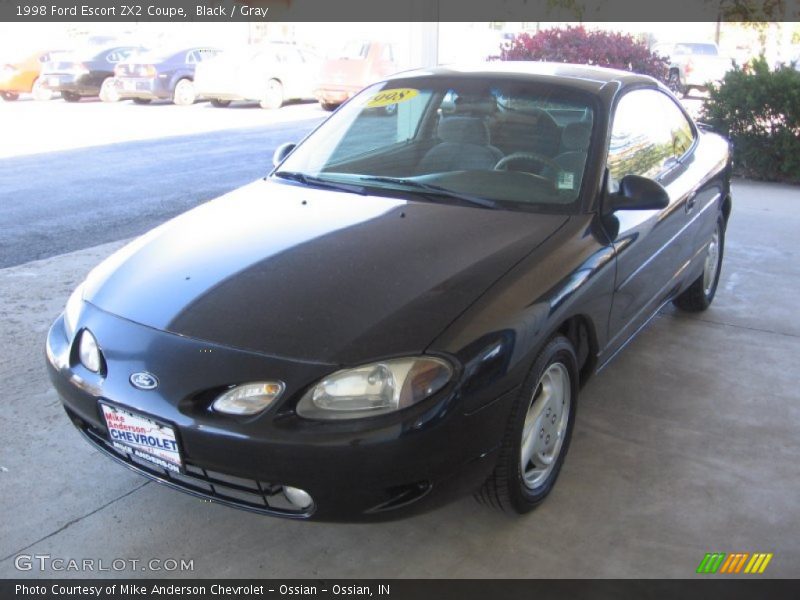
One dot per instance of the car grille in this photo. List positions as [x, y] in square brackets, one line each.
[247, 494]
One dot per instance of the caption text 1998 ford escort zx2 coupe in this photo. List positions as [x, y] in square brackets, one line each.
[406, 308]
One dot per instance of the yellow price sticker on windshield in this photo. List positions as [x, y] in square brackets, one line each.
[389, 97]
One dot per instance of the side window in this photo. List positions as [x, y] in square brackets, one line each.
[641, 139]
[204, 54]
[291, 56]
[679, 126]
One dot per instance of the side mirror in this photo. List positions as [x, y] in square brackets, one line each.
[282, 152]
[637, 193]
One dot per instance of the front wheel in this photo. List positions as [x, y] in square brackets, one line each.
[109, 91]
[674, 83]
[40, 92]
[184, 94]
[538, 432]
[273, 96]
[9, 96]
[699, 296]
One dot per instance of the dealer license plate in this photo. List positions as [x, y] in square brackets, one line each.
[143, 437]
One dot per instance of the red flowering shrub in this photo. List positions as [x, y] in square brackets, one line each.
[577, 45]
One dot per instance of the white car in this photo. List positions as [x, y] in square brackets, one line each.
[269, 74]
[694, 65]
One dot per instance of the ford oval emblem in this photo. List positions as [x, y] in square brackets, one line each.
[144, 381]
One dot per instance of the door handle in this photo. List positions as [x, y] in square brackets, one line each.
[690, 200]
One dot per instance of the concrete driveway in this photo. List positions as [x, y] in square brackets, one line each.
[686, 444]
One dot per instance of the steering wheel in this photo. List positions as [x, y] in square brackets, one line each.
[503, 163]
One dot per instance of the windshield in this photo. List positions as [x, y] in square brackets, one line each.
[707, 49]
[517, 144]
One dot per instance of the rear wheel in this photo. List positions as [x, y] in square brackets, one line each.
[220, 103]
[184, 94]
[40, 92]
[273, 96]
[109, 91]
[699, 296]
[9, 96]
[70, 97]
[142, 100]
[538, 432]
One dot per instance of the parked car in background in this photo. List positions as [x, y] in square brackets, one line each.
[693, 65]
[21, 75]
[790, 59]
[357, 65]
[269, 73]
[166, 74]
[86, 72]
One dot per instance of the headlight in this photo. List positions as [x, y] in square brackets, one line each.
[89, 352]
[249, 398]
[375, 389]
[73, 311]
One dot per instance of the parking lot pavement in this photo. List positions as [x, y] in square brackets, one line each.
[686, 444]
[31, 127]
[75, 198]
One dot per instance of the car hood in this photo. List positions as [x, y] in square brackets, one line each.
[312, 274]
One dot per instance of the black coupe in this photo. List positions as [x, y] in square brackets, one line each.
[405, 309]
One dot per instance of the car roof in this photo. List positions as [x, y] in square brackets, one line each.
[586, 77]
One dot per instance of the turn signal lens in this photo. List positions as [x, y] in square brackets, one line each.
[88, 352]
[249, 398]
[72, 311]
[375, 389]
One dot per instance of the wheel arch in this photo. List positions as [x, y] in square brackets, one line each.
[579, 329]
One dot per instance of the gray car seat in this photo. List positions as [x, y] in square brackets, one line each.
[464, 145]
[574, 149]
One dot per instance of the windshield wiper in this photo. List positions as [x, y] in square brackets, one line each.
[434, 189]
[320, 182]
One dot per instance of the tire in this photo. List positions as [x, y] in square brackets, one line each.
[142, 100]
[674, 83]
[516, 487]
[330, 107]
[184, 93]
[40, 92]
[699, 296]
[70, 97]
[273, 96]
[9, 96]
[109, 91]
[220, 103]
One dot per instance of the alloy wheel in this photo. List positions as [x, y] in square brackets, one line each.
[545, 425]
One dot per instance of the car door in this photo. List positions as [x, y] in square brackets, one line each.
[653, 247]
[293, 73]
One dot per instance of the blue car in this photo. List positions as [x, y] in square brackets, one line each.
[161, 74]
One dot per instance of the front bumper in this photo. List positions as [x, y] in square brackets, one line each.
[377, 468]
